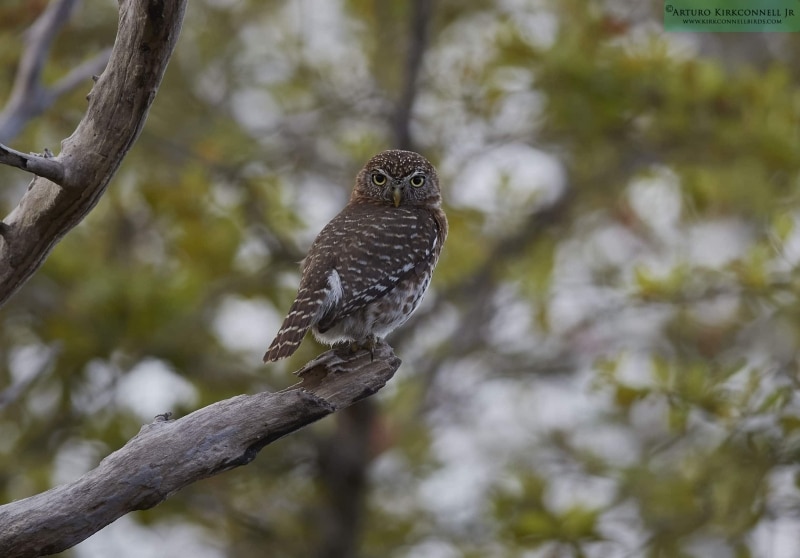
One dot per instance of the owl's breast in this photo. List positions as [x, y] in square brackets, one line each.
[382, 315]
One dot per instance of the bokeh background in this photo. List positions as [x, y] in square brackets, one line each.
[605, 366]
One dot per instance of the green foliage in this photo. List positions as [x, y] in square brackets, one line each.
[645, 347]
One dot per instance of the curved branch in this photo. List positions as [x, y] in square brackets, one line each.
[168, 455]
[118, 106]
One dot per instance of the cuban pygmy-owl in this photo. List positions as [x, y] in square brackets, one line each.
[368, 269]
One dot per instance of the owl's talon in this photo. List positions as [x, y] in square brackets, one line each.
[369, 343]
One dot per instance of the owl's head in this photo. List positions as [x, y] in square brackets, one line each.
[398, 178]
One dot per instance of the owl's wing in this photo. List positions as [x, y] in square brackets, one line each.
[320, 290]
[377, 252]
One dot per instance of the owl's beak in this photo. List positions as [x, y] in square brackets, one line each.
[396, 195]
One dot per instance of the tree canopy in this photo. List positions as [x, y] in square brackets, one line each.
[606, 363]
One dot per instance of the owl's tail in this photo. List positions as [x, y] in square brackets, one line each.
[290, 336]
[310, 305]
[294, 328]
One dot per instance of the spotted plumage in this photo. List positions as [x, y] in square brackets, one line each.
[369, 268]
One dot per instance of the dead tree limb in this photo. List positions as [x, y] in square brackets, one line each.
[168, 455]
[29, 96]
[118, 106]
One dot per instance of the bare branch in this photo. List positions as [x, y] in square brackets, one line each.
[28, 97]
[168, 455]
[40, 165]
[118, 106]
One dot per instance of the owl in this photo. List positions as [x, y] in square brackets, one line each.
[368, 269]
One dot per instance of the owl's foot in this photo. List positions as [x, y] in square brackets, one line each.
[369, 343]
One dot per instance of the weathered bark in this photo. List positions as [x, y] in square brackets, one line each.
[89, 158]
[168, 455]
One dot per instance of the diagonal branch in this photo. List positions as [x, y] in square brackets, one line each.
[168, 455]
[39, 40]
[118, 106]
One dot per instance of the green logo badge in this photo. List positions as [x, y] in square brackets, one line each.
[732, 15]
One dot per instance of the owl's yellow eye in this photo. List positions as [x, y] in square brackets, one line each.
[378, 179]
[417, 181]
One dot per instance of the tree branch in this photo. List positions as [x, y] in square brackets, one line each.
[29, 97]
[39, 38]
[118, 106]
[42, 165]
[168, 455]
